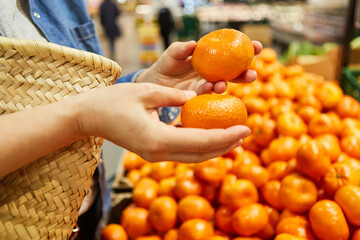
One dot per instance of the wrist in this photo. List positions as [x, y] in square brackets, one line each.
[145, 76]
[79, 111]
[138, 77]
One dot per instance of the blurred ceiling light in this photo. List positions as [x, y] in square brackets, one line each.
[143, 9]
[121, 1]
[256, 16]
[189, 6]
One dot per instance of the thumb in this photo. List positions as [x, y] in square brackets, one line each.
[181, 50]
[159, 96]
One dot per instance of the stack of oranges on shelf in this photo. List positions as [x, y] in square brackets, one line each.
[296, 176]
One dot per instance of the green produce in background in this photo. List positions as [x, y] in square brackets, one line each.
[306, 49]
[355, 43]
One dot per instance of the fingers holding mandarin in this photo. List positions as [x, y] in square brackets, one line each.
[176, 59]
[202, 140]
[208, 87]
[181, 50]
[197, 145]
[194, 157]
[257, 47]
[190, 65]
[247, 77]
[220, 87]
[205, 87]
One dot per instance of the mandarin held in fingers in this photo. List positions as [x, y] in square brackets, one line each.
[213, 111]
[223, 55]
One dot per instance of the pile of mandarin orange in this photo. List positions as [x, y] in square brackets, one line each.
[296, 176]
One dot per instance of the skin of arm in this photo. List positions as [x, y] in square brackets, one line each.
[31, 134]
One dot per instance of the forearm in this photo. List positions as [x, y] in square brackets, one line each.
[31, 134]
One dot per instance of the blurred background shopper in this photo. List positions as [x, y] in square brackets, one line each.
[167, 25]
[109, 13]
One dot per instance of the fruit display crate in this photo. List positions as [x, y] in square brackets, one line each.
[121, 193]
[350, 83]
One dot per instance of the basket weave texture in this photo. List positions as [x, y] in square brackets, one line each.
[42, 199]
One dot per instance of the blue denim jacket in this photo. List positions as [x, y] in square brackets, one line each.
[68, 23]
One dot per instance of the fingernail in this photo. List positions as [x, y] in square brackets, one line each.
[247, 131]
[251, 74]
[243, 131]
[241, 142]
[189, 94]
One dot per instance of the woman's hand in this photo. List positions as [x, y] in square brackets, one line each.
[174, 69]
[126, 115]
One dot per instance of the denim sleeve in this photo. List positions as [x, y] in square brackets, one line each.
[169, 114]
[129, 78]
[166, 114]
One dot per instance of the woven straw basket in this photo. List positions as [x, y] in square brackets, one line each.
[42, 199]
